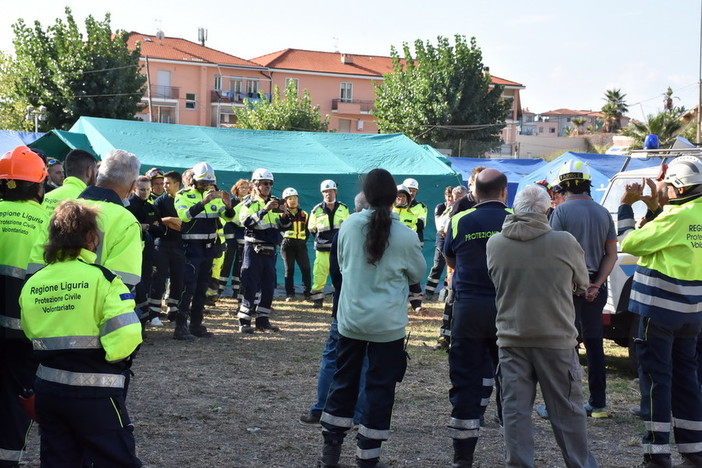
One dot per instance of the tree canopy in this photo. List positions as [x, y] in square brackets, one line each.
[292, 112]
[76, 75]
[615, 107]
[442, 95]
[667, 125]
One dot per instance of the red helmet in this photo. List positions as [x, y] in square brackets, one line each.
[22, 164]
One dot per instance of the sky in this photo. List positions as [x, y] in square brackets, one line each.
[565, 53]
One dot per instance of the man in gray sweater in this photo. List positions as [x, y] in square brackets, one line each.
[536, 271]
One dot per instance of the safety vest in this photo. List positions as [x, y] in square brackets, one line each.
[324, 223]
[81, 321]
[419, 210]
[407, 217]
[71, 188]
[261, 226]
[22, 225]
[668, 279]
[200, 222]
[298, 229]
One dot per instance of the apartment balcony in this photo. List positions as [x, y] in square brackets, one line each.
[355, 106]
[235, 97]
[165, 92]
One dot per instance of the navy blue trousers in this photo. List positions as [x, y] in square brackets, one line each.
[472, 365]
[17, 369]
[668, 373]
[198, 269]
[257, 274]
[588, 320]
[170, 263]
[79, 430]
[387, 363]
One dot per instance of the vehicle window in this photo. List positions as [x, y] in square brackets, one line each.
[614, 196]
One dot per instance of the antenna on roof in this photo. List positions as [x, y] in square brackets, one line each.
[336, 44]
[202, 35]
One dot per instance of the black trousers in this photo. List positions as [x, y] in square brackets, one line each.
[75, 431]
[292, 251]
[17, 369]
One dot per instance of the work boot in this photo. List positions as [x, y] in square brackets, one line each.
[331, 452]
[318, 304]
[200, 331]
[462, 463]
[181, 331]
[310, 418]
[245, 326]
[263, 324]
[372, 463]
[690, 460]
[657, 461]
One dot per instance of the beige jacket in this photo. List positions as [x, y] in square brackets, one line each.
[536, 271]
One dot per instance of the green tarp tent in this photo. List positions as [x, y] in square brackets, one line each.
[297, 159]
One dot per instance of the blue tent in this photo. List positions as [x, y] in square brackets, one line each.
[514, 169]
[10, 139]
[602, 166]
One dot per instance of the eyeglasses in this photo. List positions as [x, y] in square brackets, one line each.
[266, 183]
[52, 162]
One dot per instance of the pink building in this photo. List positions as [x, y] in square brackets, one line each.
[192, 84]
[343, 85]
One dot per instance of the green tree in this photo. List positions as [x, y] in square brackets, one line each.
[442, 95]
[74, 74]
[292, 112]
[615, 107]
[667, 125]
[578, 123]
[12, 108]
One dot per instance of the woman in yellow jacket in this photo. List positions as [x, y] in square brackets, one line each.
[81, 321]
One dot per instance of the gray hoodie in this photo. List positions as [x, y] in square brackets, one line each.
[536, 271]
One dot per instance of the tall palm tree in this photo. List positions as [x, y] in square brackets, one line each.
[614, 109]
[667, 125]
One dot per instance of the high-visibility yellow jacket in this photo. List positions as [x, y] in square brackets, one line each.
[261, 226]
[22, 225]
[200, 221]
[71, 188]
[407, 217]
[81, 321]
[120, 244]
[324, 223]
[420, 210]
[668, 278]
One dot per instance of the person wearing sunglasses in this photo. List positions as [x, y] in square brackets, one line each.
[155, 175]
[56, 174]
[263, 217]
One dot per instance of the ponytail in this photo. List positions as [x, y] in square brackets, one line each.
[380, 191]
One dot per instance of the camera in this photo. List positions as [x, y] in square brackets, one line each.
[280, 204]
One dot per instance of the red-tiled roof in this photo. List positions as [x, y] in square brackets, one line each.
[573, 112]
[331, 62]
[175, 48]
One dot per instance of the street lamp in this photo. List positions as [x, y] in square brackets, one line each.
[36, 115]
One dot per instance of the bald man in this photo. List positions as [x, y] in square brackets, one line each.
[473, 353]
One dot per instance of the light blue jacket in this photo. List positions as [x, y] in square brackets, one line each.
[373, 300]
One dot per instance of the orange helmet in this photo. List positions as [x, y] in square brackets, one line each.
[22, 164]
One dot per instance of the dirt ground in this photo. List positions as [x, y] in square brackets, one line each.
[234, 401]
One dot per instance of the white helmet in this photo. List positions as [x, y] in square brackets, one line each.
[403, 188]
[289, 192]
[327, 185]
[574, 170]
[684, 171]
[262, 174]
[411, 183]
[203, 172]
